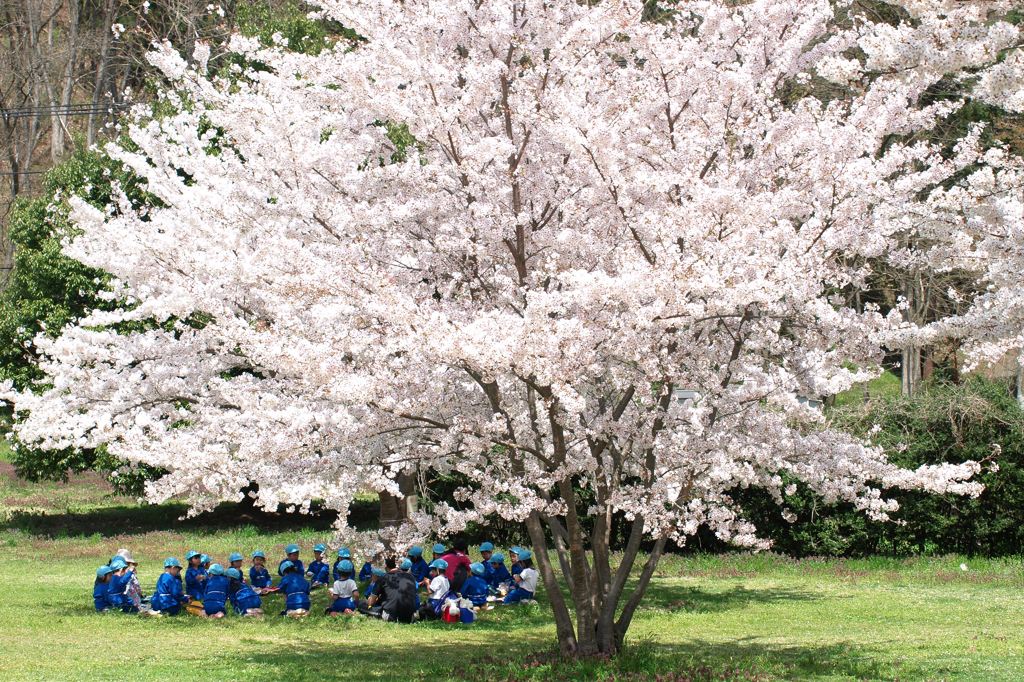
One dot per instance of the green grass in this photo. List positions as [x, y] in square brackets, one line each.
[888, 384]
[834, 620]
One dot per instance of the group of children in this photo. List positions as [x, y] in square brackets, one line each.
[207, 587]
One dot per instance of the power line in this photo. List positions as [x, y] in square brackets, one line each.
[64, 110]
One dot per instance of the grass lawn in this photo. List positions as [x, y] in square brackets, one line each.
[838, 620]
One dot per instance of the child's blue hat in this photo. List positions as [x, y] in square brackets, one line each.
[416, 550]
[188, 557]
[103, 570]
[487, 547]
[498, 558]
[439, 548]
[406, 565]
[439, 564]
[233, 573]
[379, 572]
[477, 569]
[291, 548]
[216, 569]
[525, 555]
[516, 550]
[204, 559]
[285, 565]
[117, 563]
[258, 553]
[321, 547]
[235, 556]
[171, 561]
[344, 553]
[345, 566]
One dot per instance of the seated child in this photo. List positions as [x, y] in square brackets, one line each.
[134, 589]
[195, 575]
[217, 588]
[407, 567]
[438, 588]
[235, 562]
[516, 567]
[343, 555]
[296, 590]
[345, 591]
[366, 572]
[499, 574]
[119, 581]
[375, 574]
[101, 587]
[206, 562]
[439, 551]
[259, 576]
[292, 557]
[318, 571]
[475, 587]
[420, 568]
[486, 552]
[526, 580]
[168, 596]
[243, 597]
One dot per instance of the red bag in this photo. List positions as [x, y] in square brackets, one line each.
[449, 617]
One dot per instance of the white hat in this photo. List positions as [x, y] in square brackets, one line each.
[126, 554]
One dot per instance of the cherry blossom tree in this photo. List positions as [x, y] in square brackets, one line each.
[609, 262]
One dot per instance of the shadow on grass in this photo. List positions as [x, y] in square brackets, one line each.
[695, 600]
[137, 520]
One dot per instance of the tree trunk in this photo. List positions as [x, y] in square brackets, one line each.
[394, 509]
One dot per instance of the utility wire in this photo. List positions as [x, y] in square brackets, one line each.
[64, 110]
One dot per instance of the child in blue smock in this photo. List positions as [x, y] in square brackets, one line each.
[486, 552]
[319, 572]
[101, 588]
[235, 562]
[526, 580]
[499, 574]
[168, 596]
[296, 590]
[366, 572]
[343, 555]
[217, 588]
[117, 589]
[195, 576]
[259, 576]
[243, 597]
[516, 568]
[344, 591]
[292, 557]
[420, 569]
[407, 567]
[475, 587]
[375, 574]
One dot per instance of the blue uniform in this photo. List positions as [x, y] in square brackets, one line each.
[499, 575]
[296, 591]
[369, 590]
[420, 569]
[475, 590]
[216, 594]
[335, 571]
[116, 593]
[194, 587]
[488, 572]
[320, 572]
[516, 570]
[168, 596]
[517, 595]
[244, 599]
[297, 563]
[341, 603]
[99, 596]
[259, 576]
[366, 572]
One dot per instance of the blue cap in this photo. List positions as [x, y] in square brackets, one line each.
[344, 553]
[416, 550]
[204, 559]
[379, 572]
[103, 570]
[235, 556]
[320, 548]
[487, 547]
[171, 561]
[117, 563]
[498, 558]
[216, 569]
[285, 565]
[516, 550]
[188, 557]
[345, 566]
[525, 554]
[439, 548]
[233, 573]
[439, 564]
[477, 569]
[291, 549]
[406, 565]
[258, 553]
